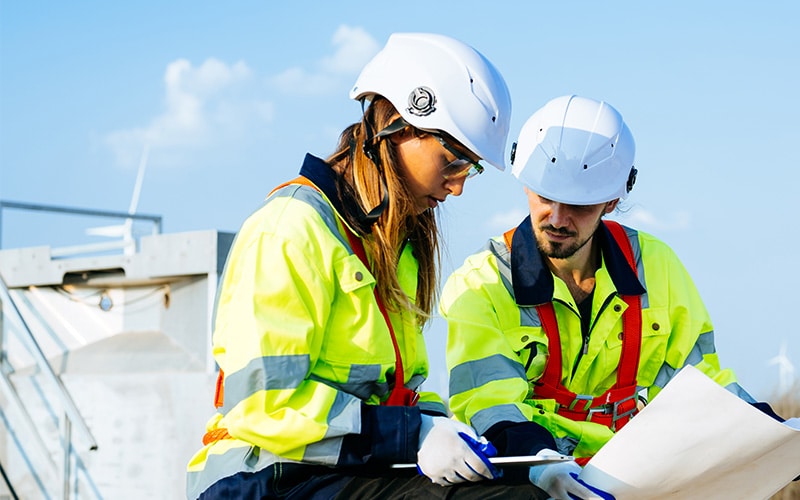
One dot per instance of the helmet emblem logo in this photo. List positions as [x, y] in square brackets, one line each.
[421, 101]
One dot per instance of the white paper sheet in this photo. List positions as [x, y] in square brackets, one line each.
[697, 440]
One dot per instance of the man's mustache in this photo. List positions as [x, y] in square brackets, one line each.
[557, 230]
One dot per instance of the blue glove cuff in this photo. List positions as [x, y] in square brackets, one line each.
[484, 450]
[600, 493]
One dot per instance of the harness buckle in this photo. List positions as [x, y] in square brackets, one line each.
[587, 400]
[616, 414]
[615, 410]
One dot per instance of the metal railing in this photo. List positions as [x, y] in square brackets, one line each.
[73, 421]
[37, 207]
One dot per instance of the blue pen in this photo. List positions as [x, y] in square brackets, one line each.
[603, 494]
[484, 450]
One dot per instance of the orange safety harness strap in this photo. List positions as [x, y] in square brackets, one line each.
[616, 406]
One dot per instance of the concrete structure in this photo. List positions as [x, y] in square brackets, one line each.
[121, 402]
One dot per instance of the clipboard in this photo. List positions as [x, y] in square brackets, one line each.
[521, 460]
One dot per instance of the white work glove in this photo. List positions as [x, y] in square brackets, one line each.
[557, 481]
[793, 423]
[444, 457]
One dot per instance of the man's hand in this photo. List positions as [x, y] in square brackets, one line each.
[560, 480]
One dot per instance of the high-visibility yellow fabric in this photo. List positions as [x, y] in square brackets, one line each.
[301, 340]
[491, 340]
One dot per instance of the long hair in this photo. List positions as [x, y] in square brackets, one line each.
[399, 224]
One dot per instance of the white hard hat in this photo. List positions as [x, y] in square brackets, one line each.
[438, 83]
[577, 151]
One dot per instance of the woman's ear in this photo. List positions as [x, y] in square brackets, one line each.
[403, 135]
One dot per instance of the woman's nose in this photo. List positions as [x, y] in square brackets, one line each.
[455, 185]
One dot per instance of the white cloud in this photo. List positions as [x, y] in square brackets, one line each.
[354, 47]
[216, 106]
[204, 106]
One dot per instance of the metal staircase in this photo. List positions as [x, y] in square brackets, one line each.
[106, 375]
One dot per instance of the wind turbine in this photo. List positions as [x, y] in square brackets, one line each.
[785, 369]
[125, 230]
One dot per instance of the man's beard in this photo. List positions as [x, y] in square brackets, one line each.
[556, 250]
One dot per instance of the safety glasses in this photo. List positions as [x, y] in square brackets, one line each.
[462, 166]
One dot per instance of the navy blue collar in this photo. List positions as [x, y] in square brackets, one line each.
[533, 281]
[323, 176]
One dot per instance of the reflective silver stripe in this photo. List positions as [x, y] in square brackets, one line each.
[633, 237]
[737, 390]
[364, 373]
[705, 343]
[503, 258]
[288, 372]
[415, 381]
[665, 374]
[314, 198]
[473, 374]
[432, 406]
[566, 445]
[344, 417]
[325, 451]
[233, 461]
[362, 381]
[365, 384]
[703, 346]
[484, 419]
[265, 373]
[529, 316]
[362, 390]
[345, 414]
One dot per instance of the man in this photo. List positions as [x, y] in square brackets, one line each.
[560, 327]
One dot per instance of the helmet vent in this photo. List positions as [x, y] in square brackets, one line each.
[553, 159]
[585, 166]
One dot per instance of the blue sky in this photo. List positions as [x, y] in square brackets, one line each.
[229, 96]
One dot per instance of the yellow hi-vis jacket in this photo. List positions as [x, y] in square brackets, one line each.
[497, 349]
[305, 350]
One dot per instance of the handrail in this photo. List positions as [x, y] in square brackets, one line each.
[155, 219]
[8, 387]
[8, 483]
[70, 408]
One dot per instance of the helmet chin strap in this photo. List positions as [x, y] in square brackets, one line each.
[363, 220]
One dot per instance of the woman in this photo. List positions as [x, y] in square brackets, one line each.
[318, 328]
